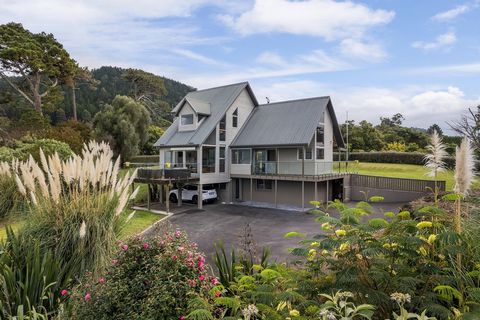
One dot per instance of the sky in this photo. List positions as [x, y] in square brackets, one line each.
[374, 58]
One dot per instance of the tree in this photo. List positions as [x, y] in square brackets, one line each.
[146, 86]
[469, 126]
[363, 136]
[124, 124]
[154, 133]
[435, 128]
[79, 76]
[38, 59]
[395, 120]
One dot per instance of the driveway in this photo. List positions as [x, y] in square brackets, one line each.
[222, 222]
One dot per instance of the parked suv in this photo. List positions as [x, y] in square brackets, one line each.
[190, 193]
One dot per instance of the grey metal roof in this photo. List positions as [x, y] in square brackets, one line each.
[286, 123]
[219, 100]
[200, 107]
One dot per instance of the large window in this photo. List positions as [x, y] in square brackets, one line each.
[208, 159]
[222, 129]
[320, 143]
[235, 118]
[263, 184]
[186, 119]
[308, 154]
[221, 159]
[241, 156]
[320, 136]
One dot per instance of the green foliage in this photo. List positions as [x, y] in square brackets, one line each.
[154, 133]
[124, 125]
[147, 279]
[31, 278]
[396, 146]
[32, 148]
[12, 203]
[337, 305]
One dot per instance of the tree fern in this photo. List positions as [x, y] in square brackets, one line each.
[200, 314]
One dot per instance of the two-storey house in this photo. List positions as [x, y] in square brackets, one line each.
[278, 153]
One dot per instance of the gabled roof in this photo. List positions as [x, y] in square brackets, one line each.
[218, 99]
[286, 123]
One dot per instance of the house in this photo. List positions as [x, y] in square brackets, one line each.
[280, 153]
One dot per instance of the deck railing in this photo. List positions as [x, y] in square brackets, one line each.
[306, 168]
[413, 185]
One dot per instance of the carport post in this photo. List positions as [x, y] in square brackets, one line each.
[328, 183]
[276, 189]
[303, 195]
[179, 188]
[200, 196]
[148, 196]
[161, 194]
[167, 198]
[316, 191]
[251, 190]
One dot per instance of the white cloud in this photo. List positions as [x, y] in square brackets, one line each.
[198, 57]
[421, 106]
[324, 18]
[459, 69]
[364, 51]
[270, 58]
[442, 41]
[452, 13]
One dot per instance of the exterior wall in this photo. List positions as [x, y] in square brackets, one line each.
[328, 125]
[243, 169]
[389, 195]
[187, 109]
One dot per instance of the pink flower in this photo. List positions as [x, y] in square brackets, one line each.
[101, 280]
[192, 283]
[182, 318]
[64, 292]
[114, 262]
[174, 258]
[124, 247]
[146, 246]
[181, 249]
[202, 278]
[178, 233]
[87, 297]
[214, 281]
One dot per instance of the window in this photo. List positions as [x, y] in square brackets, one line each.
[320, 153]
[320, 136]
[241, 156]
[222, 129]
[235, 118]
[222, 159]
[263, 184]
[208, 159]
[308, 154]
[186, 119]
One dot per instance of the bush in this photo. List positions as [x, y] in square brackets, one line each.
[148, 279]
[145, 159]
[49, 147]
[11, 200]
[76, 208]
[68, 135]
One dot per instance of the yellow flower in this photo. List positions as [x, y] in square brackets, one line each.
[386, 245]
[432, 238]
[423, 251]
[294, 313]
[344, 246]
[315, 244]
[359, 256]
[324, 252]
[340, 232]
[312, 252]
[326, 226]
[424, 224]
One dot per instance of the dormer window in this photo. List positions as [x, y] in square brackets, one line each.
[186, 119]
[235, 118]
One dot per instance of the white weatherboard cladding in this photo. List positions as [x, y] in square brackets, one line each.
[328, 137]
[187, 109]
[245, 106]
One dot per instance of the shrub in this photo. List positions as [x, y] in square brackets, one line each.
[68, 135]
[76, 205]
[32, 280]
[48, 146]
[145, 159]
[148, 279]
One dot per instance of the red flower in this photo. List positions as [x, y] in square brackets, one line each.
[124, 247]
[174, 258]
[87, 297]
[64, 292]
[182, 318]
[201, 278]
[218, 294]
[146, 246]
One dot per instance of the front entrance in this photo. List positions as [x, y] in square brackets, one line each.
[337, 189]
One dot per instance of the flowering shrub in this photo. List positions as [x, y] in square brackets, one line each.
[147, 279]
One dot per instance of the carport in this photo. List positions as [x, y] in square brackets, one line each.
[160, 181]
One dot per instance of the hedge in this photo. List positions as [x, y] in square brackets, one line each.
[393, 157]
[145, 159]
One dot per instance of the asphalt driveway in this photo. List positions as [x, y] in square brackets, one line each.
[220, 222]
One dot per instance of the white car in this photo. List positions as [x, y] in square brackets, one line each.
[190, 193]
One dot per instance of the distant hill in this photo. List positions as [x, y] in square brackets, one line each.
[111, 84]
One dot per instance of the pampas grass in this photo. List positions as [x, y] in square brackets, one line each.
[434, 159]
[464, 168]
[11, 200]
[75, 204]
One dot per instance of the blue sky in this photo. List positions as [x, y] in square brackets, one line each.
[374, 58]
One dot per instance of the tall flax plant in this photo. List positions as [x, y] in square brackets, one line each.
[76, 205]
[434, 160]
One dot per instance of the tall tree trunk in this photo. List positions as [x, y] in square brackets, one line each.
[74, 103]
[38, 102]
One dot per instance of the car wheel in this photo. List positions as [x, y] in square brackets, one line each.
[195, 199]
[173, 198]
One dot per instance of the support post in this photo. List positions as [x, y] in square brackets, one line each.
[328, 194]
[303, 195]
[148, 196]
[316, 191]
[303, 163]
[251, 190]
[276, 190]
[200, 196]
[161, 193]
[167, 197]
[179, 189]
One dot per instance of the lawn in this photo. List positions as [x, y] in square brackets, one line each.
[394, 170]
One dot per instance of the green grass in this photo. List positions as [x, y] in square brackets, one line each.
[140, 221]
[14, 224]
[409, 171]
